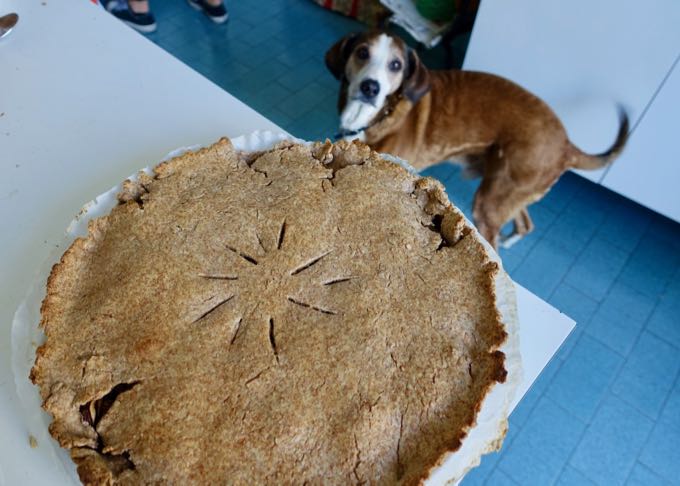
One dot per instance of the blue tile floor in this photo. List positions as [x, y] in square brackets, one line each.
[606, 410]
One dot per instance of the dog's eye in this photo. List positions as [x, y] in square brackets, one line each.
[362, 53]
[395, 65]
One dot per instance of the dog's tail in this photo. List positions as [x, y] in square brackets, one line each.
[593, 162]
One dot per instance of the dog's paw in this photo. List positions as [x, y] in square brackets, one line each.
[507, 241]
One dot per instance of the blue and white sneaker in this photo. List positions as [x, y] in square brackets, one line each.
[218, 14]
[144, 23]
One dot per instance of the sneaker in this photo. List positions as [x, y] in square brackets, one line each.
[218, 14]
[144, 23]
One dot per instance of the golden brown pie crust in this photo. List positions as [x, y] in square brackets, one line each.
[309, 314]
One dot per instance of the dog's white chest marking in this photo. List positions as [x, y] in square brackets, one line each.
[357, 113]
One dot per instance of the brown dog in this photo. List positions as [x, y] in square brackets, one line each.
[500, 131]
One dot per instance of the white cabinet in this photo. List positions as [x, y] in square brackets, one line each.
[581, 57]
[649, 169]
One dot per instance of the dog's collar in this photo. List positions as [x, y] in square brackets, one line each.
[350, 133]
[387, 111]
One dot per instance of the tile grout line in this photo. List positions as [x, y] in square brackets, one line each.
[543, 236]
[567, 412]
[617, 372]
[642, 329]
[661, 338]
[587, 427]
[541, 396]
[635, 343]
[624, 360]
[577, 257]
[676, 382]
[610, 384]
[580, 254]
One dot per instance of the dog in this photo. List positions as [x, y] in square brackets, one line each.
[497, 129]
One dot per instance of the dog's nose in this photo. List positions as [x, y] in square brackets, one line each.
[369, 88]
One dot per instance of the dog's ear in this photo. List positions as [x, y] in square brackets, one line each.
[339, 53]
[416, 78]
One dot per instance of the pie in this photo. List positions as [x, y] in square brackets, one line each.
[307, 314]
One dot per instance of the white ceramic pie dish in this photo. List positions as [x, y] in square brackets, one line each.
[484, 437]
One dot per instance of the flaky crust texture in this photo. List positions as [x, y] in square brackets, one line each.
[308, 314]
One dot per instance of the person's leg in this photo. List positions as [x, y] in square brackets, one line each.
[135, 13]
[214, 9]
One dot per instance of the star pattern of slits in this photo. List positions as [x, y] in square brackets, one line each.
[295, 272]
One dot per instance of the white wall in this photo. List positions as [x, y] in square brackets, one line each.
[649, 169]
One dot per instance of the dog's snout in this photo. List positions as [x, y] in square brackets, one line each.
[369, 88]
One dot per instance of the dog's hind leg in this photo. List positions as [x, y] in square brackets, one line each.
[522, 227]
[497, 202]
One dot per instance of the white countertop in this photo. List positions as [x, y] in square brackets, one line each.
[85, 102]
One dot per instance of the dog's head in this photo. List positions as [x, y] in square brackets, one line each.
[372, 66]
